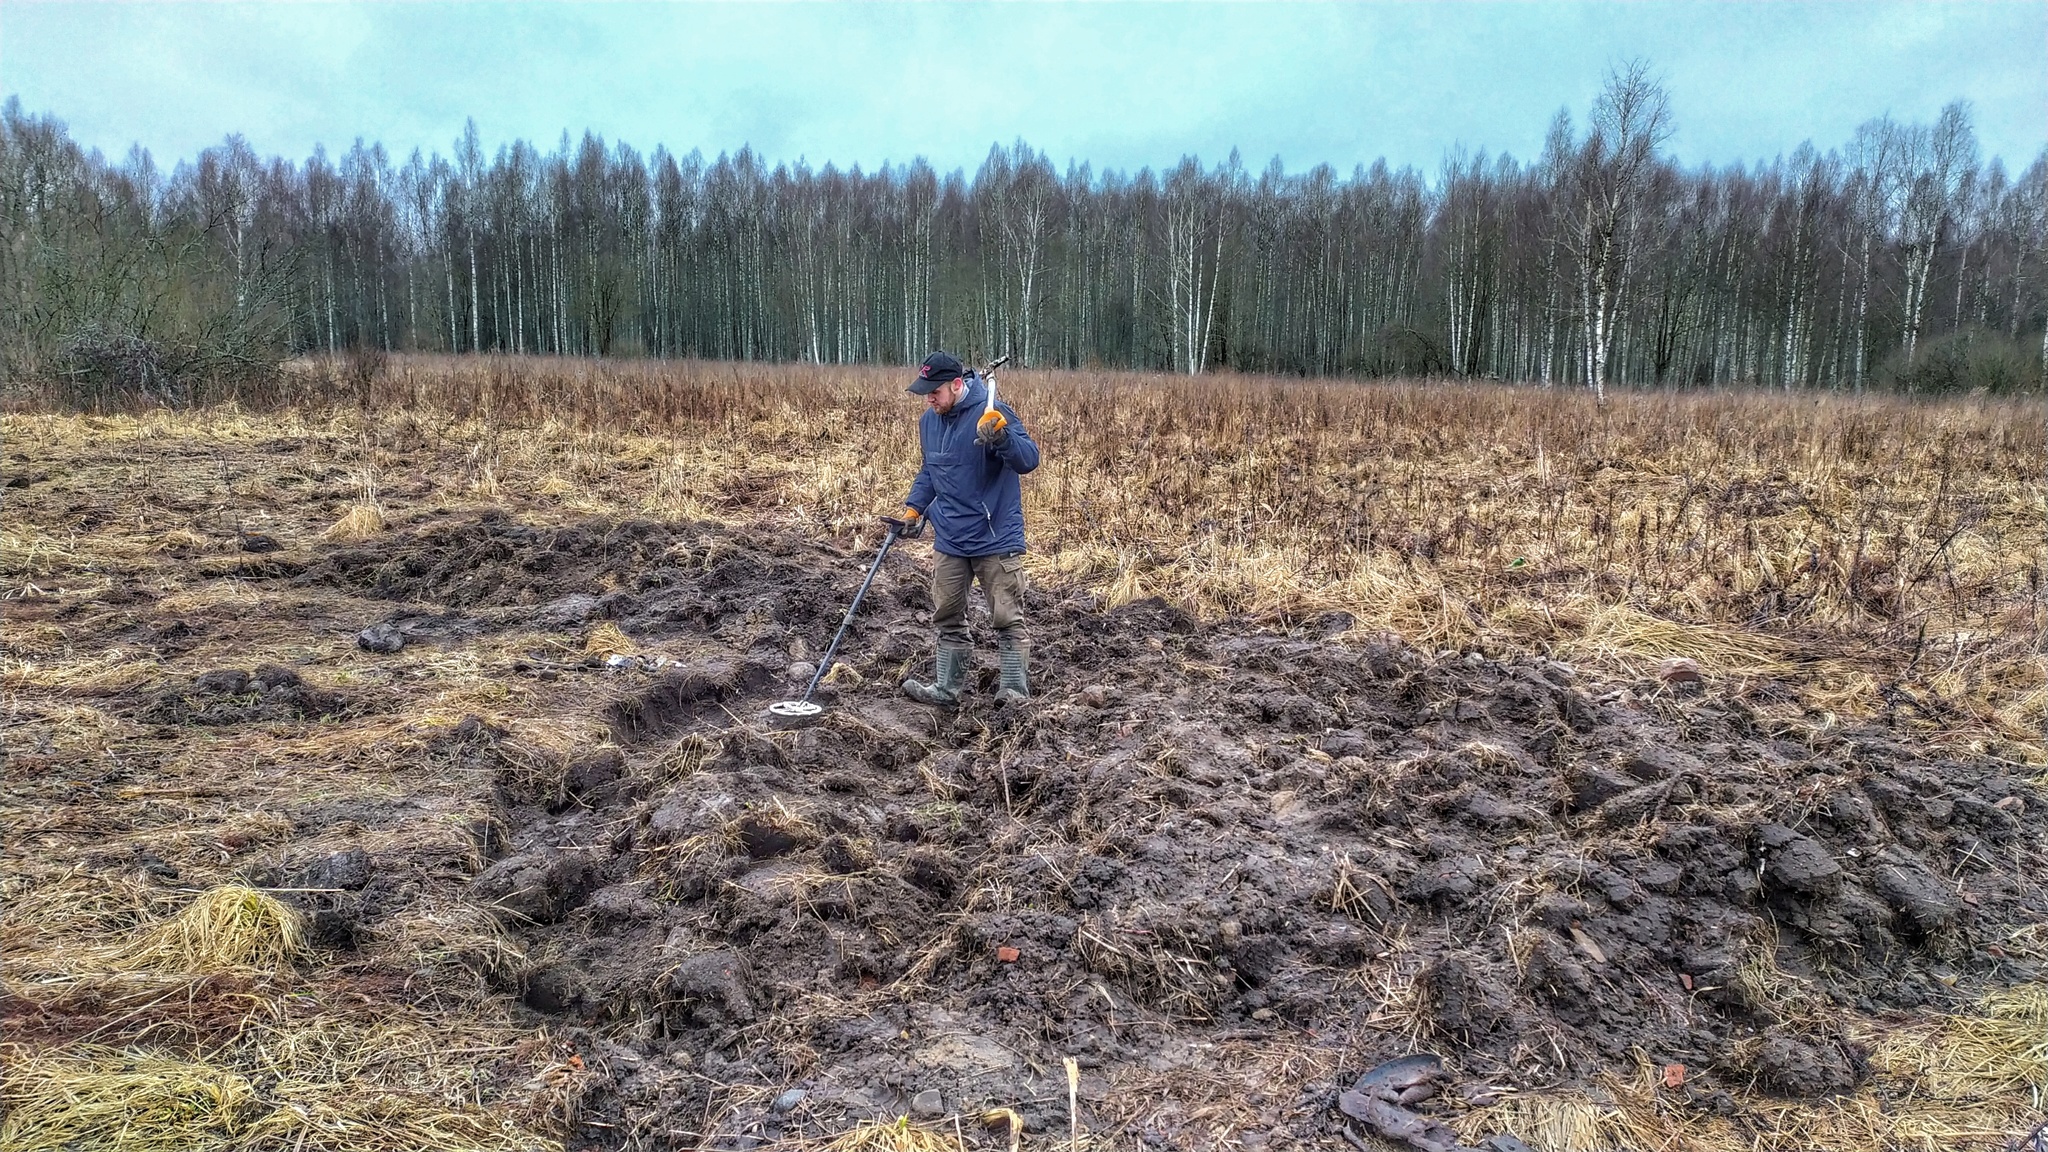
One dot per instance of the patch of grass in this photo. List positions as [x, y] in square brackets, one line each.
[899, 1135]
[360, 522]
[223, 929]
[90, 1099]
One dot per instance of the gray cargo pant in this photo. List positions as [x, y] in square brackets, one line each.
[1002, 581]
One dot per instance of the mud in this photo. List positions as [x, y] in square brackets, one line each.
[1288, 837]
[224, 696]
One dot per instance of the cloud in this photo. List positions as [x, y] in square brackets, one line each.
[1118, 85]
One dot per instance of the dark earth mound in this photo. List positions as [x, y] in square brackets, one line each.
[232, 696]
[1196, 834]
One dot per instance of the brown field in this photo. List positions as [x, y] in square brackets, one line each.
[1859, 580]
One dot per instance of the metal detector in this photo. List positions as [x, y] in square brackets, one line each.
[804, 709]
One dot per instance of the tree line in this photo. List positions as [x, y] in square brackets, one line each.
[1899, 259]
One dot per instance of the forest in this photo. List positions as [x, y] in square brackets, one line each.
[1899, 259]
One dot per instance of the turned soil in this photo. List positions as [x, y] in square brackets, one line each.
[1225, 867]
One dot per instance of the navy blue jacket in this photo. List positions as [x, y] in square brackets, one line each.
[970, 492]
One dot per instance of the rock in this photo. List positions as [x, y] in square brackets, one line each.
[1798, 863]
[1926, 902]
[348, 868]
[380, 638]
[715, 989]
[1793, 1066]
[1095, 696]
[928, 1104]
[788, 1101]
[259, 542]
[565, 613]
[1679, 670]
[540, 886]
[222, 682]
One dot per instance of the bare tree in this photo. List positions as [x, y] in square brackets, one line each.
[1631, 120]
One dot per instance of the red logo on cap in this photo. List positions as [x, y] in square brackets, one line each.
[924, 370]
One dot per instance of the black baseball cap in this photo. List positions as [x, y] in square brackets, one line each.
[938, 368]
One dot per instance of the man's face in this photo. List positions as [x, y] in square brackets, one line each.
[942, 398]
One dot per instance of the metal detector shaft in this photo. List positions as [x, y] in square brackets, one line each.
[825, 664]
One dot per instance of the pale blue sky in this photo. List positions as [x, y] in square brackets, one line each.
[1118, 85]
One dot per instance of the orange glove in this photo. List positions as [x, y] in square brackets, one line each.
[908, 525]
[992, 428]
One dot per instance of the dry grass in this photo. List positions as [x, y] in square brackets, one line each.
[899, 1135]
[317, 1085]
[223, 929]
[1972, 1080]
[609, 639]
[1816, 554]
[101, 1098]
[1843, 548]
[261, 1059]
[360, 522]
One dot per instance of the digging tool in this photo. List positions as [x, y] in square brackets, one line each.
[988, 376]
[804, 710]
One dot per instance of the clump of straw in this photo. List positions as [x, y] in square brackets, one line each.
[360, 522]
[223, 928]
[899, 1135]
[1999, 1053]
[338, 1118]
[609, 639]
[102, 1099]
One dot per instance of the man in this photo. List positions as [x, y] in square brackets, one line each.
[973, 454]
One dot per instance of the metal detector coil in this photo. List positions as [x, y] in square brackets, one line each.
[795, 709]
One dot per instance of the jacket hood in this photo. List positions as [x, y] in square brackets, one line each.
[970, 400]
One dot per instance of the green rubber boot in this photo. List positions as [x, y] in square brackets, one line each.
[1016, 675]
[944, 690]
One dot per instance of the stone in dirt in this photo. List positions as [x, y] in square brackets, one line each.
[1796, 1066]
[787, 1101]
[715, 989]
[383, 639]
[1679, 670]
[1796, 862]
[348, 869]
[539, 887]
